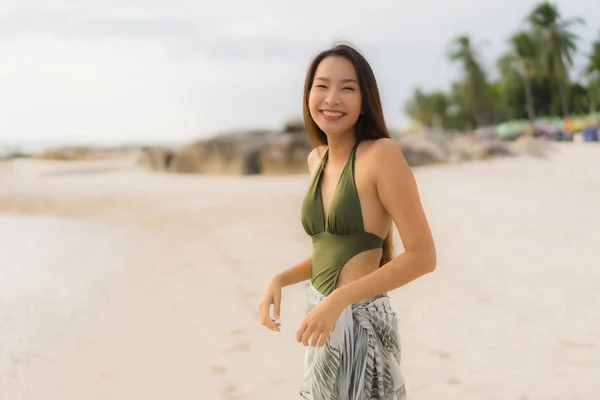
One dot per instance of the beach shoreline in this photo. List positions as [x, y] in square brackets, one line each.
[154, 282]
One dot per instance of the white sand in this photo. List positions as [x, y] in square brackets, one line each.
[116, 283]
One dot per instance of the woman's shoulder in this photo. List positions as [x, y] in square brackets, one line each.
[377, 148]
[315, 156]
[382, 157]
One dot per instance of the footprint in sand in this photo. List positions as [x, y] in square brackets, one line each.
[441, 354]
[218, 369]
[239, 345]
[237, 332]
[229, 392]
[453, 381]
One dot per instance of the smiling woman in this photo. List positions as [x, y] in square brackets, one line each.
[360, 185]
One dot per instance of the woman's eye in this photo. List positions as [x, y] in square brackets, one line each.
[348, 88]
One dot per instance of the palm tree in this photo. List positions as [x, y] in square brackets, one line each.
[526, 53]
[430, 109]
[557, 44]
[592, 71]
[462, 51]
[593, 67]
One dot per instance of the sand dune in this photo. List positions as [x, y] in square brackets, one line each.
[122, 284]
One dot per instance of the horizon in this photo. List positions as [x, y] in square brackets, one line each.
[120, 73]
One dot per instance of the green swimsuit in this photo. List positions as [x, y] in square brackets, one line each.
[339, 236]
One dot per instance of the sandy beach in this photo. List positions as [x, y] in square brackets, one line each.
[119, 283]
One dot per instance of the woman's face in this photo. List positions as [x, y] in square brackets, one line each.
[335, 99]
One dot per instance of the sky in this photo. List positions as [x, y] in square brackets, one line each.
[130, 71]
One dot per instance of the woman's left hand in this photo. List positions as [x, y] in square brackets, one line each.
[318, 323]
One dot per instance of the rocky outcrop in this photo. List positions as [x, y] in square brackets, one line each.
[234, 153]
[286, 154]
[83, 153]
[450, 147]
[294, 125]
[72, 153]
[9, 154]
[466, 148]
[422, 149]
[237, 153]
[241, 153]
[527, 145]
[157, 158]
[285, 151]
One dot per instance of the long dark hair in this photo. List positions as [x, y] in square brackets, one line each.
[370, 124]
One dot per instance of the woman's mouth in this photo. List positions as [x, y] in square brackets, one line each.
[332, 115]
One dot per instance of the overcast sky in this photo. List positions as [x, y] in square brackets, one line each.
[133, 70]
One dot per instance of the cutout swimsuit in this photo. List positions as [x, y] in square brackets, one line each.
[340, 235]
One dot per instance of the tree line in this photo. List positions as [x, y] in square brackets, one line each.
[536, 78]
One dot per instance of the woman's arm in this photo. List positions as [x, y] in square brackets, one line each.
[398, 192]
[298, 273]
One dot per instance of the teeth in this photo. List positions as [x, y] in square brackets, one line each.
[333, 113]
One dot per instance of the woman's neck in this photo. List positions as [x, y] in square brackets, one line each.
[339, 149]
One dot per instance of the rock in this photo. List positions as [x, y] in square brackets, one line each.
[237, 153]
[286, 154]
[436, 147]
[285, 151]
[294, 125]
[487, 133]
[10, 154]
[232, 153]
[69, 153]
[421, 149]
[156, 158]
[466, 148]
[81, 153]
[537, 147]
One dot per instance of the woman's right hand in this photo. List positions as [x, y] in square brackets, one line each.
[272, 296]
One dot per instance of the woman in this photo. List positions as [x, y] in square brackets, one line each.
[360, 184]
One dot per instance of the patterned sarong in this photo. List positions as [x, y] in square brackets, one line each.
[361, 358]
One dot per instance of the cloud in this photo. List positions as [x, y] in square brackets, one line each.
[132, 69]
[263, 28]
[129, 90]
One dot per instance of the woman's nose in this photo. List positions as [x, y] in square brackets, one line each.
[332, 97]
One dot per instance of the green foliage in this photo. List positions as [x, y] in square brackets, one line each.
[535, 78]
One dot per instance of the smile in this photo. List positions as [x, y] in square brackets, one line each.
[332, 114]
